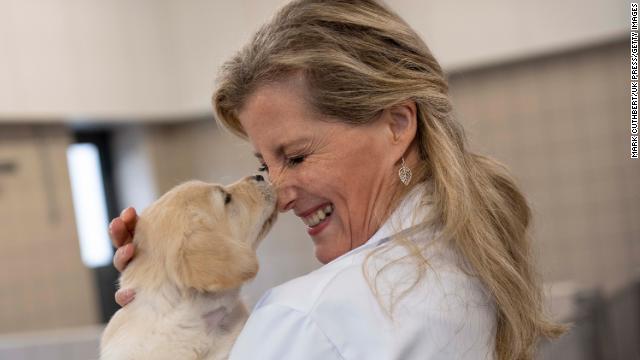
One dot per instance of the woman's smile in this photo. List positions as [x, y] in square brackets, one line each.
[316, 216]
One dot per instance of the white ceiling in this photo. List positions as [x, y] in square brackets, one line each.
[148, 60]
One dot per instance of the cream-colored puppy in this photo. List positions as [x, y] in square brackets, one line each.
[195, 247]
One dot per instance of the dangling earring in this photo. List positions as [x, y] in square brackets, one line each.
[404, 173]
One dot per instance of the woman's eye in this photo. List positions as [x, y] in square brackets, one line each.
[263, 167]
[227, 198]
[292, 161]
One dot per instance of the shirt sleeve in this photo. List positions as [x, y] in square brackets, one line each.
[279, 332]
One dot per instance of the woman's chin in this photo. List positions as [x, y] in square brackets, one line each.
[324, 257]
[326, 252]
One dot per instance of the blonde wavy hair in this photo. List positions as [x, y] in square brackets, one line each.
[359, 58]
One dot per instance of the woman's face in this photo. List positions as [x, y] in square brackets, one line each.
[337, 178]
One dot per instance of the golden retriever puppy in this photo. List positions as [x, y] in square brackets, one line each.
[195, 248]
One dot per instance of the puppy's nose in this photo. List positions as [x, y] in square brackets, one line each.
[259, 178]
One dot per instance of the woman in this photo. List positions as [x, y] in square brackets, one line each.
[424, 243]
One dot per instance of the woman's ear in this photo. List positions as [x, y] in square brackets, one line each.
[402, 122]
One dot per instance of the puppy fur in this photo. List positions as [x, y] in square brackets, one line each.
[195, 248]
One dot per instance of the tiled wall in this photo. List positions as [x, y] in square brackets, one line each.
[561, 123]
[43, 283]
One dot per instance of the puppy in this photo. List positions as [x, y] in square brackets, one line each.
[195, 248]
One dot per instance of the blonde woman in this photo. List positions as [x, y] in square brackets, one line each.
[424, 243]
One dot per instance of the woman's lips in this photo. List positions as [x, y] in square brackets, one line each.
[315, 230]
[317, 217]
[312, 210]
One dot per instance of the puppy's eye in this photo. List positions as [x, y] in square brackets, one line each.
[227, 198]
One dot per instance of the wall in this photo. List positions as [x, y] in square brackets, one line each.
[43, 283]
[561, 124]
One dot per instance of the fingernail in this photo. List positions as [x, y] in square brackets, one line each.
[123, 211]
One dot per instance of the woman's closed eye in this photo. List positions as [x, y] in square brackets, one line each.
[290, 162]
[295, 160]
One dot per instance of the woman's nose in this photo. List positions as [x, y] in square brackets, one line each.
[285, 189]
[286, 197]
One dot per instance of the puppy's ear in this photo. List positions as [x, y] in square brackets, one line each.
[212, 262]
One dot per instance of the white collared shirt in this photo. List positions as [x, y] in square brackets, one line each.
[332, 313]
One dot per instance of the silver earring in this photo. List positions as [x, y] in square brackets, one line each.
[404, 173]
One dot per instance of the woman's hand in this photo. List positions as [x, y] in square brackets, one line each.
[121, 230]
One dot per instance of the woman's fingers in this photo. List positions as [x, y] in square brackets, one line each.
[124, 296]
[123, 256]
[119, 233]
[121, 230]
[122, 227]
[130, 218]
